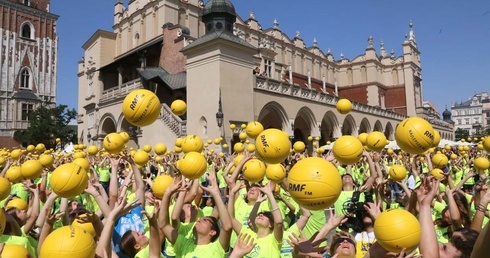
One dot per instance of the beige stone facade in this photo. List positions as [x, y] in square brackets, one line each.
[257, 73]
[28, 59]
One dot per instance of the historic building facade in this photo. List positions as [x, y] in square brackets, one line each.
[471, 115]
[222, 65]
[28, 57]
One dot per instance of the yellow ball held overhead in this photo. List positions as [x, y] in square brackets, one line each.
[92, 150]
[310, 138]
[40, 147]
[31, 169]
[14, 251]
[69, 180]
[15, 154]
[147, 148]
[178, 107]
[344, 106]
[192, 143]
[363, 138]
[225, 146]
[113, 143]
[314, 183]
[376, 141]
[178, 142]
[141, 157]
[439, 160]
[242, 136]
[347, 150]
[141, 107]
[389, 151]
[275, 173]
[250, 147]
[272, 146]
[79, 154]
[31, 148]
[481, 163]
[17, 203]
[253, 170]
[5, 188]
[82, 162]
[237, 159]
[243, 126]
[87, 226]
[160, 149]
[160, 185]
[397, 229]
[210, 141]
[68, 242]
[299, 146]
[125, 136]
[254, 129]
[232, 126]
[192, 165]
[2, 160]
[437, 173]
[217, 141]
[239, 147]
[3, 221]
[414, 135]
[398, 172]
[14, 174]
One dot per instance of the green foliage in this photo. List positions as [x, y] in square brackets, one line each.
[46, 124]
[461, 134]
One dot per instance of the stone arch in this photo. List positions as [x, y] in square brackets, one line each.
[273, 115]
[27, 30]
[304, 124]
[365, 126]
[329, 127]
[349, 126]
[378, 126]
[107, 124]
[389, 132]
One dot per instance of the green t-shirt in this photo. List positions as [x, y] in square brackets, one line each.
[266, 247]
[242, 213]
[187, 248]
[286, 249]
[104, 173]
[316, 221]
[145, 253]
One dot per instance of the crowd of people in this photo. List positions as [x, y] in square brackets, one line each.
[222, 214]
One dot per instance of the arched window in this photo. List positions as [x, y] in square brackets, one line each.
[27, 2]
[136, 41]
[26, 31]
[350, 78]
[363, 74]
[25, 79]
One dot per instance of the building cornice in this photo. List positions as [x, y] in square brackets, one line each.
[28, 10]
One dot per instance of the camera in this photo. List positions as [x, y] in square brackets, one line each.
[355, 211]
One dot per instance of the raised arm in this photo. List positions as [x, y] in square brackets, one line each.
[425, 194]
[276, 213]
[163, 220]
[237, 225]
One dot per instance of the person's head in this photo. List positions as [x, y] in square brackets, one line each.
[460, 244]
[207, 227]
[253, 192]
[75, 213]
[343, 244]
[19, 215]
[132, 242]
[265, 219]
[347, 180]
[367, 221]
[189, 211]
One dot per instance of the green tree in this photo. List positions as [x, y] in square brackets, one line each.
[461, 134]
[46, 124]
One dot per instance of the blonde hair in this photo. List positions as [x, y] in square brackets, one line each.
[338, 235]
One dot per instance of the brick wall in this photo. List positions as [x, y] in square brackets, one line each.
[171, 59]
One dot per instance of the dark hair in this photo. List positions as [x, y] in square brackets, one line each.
[465, 241]
[127, 243]
[77, 212]
[269, 215]
[214, 226]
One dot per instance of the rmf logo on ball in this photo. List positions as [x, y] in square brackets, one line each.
[135, 101]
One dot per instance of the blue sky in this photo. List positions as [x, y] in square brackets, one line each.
[453, 36]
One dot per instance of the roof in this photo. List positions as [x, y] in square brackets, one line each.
[219, 6]
[26, 95]
[173, 81]
[218, 35]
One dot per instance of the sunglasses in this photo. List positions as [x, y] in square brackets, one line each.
[342, 239]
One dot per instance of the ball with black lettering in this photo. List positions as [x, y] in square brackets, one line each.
[141, 107]
[272, 146]
[314, 183]
[68, 242]
[414, 135]
[69, 180]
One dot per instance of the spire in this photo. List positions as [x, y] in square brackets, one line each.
[276, 24]
[298, 35]
[411, 33]
[341, 56]
[370, 41]
[392, 54]
[315, 43]
[252, 15]
[382, 49]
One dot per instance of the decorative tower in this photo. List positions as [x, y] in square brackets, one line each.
[219, 65]
[412, 73]
[28, 58]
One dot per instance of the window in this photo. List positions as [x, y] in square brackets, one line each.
[350, 78]
[26, 109]
[27, 2]
[136, 41]
[26, 31]
[268, 67]
[363, 74]
[25, 78]
[467, 121]
[458, 122]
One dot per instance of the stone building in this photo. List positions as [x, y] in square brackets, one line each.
[469, 115]
[231, 70]
[28, 58]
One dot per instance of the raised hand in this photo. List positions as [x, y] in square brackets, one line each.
[244, 245]
[306, 247]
